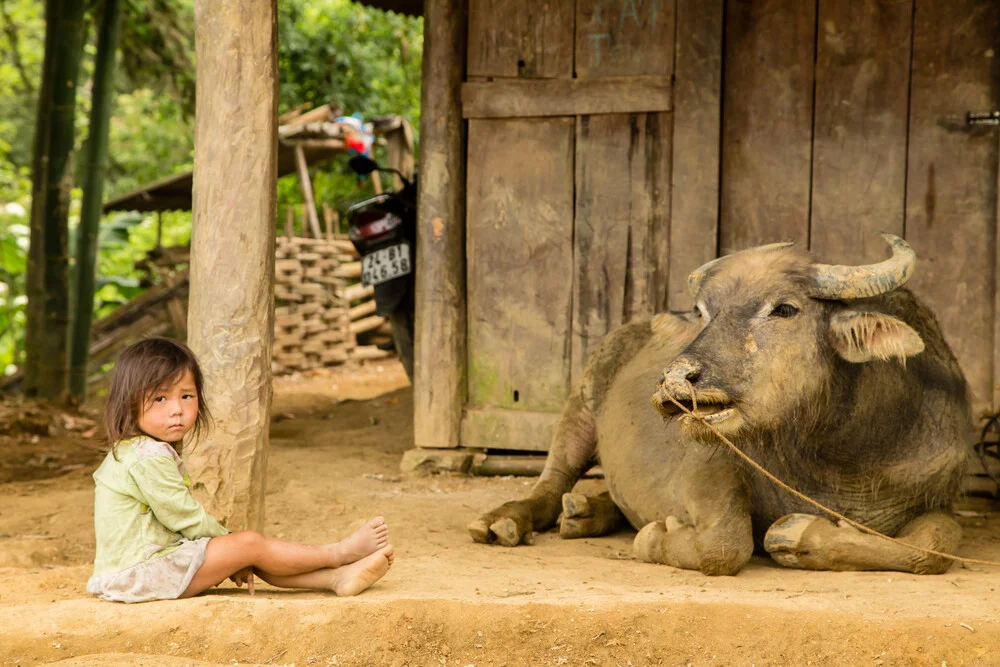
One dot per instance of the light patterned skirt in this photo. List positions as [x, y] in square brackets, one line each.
[159, 578]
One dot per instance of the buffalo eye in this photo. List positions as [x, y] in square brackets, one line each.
[784, 310]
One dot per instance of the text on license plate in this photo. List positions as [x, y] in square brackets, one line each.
[386, 264]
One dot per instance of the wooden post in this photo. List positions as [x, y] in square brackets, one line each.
[440, 355]
[307, 190]
[377, 182]
[328, 221]
[230, 316]
[289, 221]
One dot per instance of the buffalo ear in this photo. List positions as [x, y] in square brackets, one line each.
[863, 336]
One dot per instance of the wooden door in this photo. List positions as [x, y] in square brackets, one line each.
[568, 197]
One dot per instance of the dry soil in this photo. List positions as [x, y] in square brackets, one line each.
[336, 442]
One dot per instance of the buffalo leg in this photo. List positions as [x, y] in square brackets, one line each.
[574, 447]
[718, 539]
[815, 543]
[589, 516]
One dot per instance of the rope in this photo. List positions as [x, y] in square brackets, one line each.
[801, 496]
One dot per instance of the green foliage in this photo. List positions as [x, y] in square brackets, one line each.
[22, 49]
[157, 48]
[14, 234]
[363, 60]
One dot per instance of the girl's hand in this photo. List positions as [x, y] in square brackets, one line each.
[244, 576]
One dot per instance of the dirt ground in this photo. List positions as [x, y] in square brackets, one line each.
[336, 442]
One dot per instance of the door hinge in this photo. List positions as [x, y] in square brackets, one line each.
[986, 118]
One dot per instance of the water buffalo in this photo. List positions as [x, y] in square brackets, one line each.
[835, 378]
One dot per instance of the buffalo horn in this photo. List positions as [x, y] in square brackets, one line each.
[696, 276]
[859, 282]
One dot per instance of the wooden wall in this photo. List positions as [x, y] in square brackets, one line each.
[615, 145]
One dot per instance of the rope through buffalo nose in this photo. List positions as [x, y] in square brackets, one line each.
[694, 399]
[801, 496]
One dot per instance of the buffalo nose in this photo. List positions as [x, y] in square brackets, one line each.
[680, 373]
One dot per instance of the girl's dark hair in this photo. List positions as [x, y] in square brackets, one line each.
[141, 369]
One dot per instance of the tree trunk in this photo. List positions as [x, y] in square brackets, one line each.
[90, 215]
[35, 279]
[230, 311]
[48, 340]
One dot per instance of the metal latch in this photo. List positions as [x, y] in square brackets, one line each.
[987, 118]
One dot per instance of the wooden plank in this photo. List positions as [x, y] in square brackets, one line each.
[951, 204]
[520, 38]
[490, 428]
[520, 262]
[767, 122]
[621, 238]
[996, 303]
[624, 37]
[564, 97]
[440, 352]
[694, 198]
[859, 142]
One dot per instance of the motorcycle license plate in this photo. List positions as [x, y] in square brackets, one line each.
[386, 264]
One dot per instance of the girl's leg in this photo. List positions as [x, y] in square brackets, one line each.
[345, 580]
[229, 554]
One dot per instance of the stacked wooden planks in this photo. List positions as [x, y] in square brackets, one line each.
[323, 316]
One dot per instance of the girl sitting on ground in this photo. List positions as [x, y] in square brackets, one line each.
[154, 540]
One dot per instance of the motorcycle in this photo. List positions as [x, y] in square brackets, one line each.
[383, 229]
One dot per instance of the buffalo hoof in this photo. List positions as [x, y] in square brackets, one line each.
[575, 520]
[575, 505]
[508, 525]
[785, 539]
[648, 544]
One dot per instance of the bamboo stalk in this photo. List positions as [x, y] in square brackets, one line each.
[47, 344]
[93, 188]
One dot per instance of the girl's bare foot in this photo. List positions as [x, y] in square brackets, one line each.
[356, 577]
[366, 540]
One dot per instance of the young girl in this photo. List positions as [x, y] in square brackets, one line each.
[154, 540]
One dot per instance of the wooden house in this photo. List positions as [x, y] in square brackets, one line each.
[580, 157]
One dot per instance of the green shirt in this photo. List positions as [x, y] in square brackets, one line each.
[143, 506]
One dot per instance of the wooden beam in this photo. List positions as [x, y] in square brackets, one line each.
[491, 428]
[230, 315]
[307, 190]
[327, 144]
[440, 354]
[520, 98]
